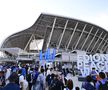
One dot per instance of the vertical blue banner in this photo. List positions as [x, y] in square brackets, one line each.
[53, 54]
[45, 55]
[48, 54]
[40, 55]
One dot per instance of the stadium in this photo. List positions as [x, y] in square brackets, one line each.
[65, 35]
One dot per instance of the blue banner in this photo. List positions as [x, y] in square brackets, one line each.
[40, 55]
[47, 55]
[53, 54]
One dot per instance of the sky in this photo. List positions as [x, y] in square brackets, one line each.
[17, 15]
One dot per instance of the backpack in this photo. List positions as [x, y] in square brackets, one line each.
[28, 77]
[103, 86]
[53, 85]
[56, 85]
[49, 79]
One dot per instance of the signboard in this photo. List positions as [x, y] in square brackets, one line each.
[85, 63]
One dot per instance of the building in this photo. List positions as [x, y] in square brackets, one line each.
[62, 33]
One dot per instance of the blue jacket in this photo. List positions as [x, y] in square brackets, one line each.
[11, 86]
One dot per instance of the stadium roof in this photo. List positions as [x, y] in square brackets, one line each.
[62, 33]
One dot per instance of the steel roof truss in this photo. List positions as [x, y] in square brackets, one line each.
[106, 47]
[92, 40]
[49, 39]
[104, 44]
[80, 36]
[36, 43]
[72, 36]
[97, 41]
[62, 34]
[28, 42]
[87, 37]
[101, 42]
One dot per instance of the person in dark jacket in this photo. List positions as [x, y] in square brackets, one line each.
[2, 79]
[56, 84]
[87, 84]
[12, 85]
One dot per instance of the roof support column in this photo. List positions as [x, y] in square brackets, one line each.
[71, 36]
[28, 42]
[97, 41]
[87, 37]
[36, 43]
[62, 35]
[106, 47]
[92, 40]
[104, 44]
[49, 39]
[101, 42]
[80, 36]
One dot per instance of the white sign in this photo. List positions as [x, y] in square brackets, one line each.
[85, 63]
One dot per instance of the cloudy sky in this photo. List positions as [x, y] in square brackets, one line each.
[17, 15]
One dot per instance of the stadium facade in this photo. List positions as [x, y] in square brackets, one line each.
[62, 33]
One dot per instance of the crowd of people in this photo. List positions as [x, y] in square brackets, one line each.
[100, 83]
[35, 77]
